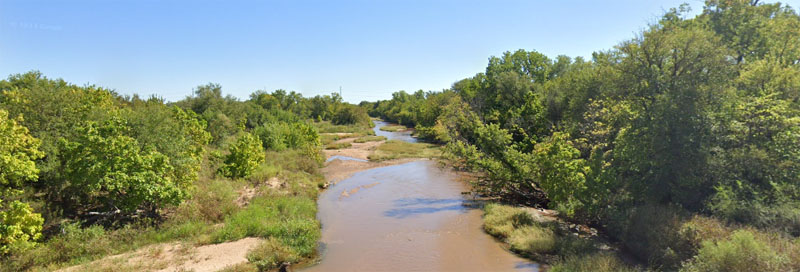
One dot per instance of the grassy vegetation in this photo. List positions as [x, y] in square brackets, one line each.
[715, 245]
[393, 128]
[599, 262]
[546, 241]
[338, 145]
[285, 215]
[328, 138]
[288, 220]
[365, 139]
[394, 149]
[273, 253]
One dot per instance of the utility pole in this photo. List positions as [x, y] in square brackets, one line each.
[340, 91]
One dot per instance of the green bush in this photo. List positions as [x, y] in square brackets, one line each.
[20, 226]
[741, 252]
[244, 157]
[351, 115]
[280, 135]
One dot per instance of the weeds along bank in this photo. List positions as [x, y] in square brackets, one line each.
[86, 173]
[682, 144]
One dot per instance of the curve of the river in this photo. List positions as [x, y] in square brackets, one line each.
[407, 217]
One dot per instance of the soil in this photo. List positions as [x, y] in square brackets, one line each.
[175, 257]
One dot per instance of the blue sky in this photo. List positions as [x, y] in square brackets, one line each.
[369, 48]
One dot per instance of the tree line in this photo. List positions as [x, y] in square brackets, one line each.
[86, 154]
[691, 116]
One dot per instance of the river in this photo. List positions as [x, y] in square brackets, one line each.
[407, 217]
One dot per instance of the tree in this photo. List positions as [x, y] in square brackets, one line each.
[107, 169]
[20, 226]
[244, 157]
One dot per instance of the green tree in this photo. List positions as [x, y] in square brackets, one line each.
[111, 171]
[244, 157]
[20, 226]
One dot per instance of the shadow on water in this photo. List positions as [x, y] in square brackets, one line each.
[407, 212]
[406, 207]
[414, 217]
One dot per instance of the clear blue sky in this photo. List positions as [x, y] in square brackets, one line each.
[370, 48]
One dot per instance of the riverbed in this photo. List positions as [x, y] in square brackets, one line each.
[415, 216]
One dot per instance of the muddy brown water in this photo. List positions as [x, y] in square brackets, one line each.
[407, 217]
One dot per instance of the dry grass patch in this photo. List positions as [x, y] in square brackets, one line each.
[338, 145]
[393, 128]
[365, 139]
[394, 149]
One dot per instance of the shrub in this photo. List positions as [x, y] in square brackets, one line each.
[741, 252]
[652, 234]
[244, 157]
[211, 202]
[351, 115]
[281, 135]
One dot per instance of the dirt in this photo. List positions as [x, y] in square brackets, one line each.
[357, 150]
[175, 257]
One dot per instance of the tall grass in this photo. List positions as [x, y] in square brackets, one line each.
[546, 241]
[599, 262]
[288, 219]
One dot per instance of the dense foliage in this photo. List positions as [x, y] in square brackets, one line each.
[244, 157]
[693, 115]
[20, 226]
[85, 172]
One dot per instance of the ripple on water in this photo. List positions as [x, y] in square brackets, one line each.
[412, 217]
